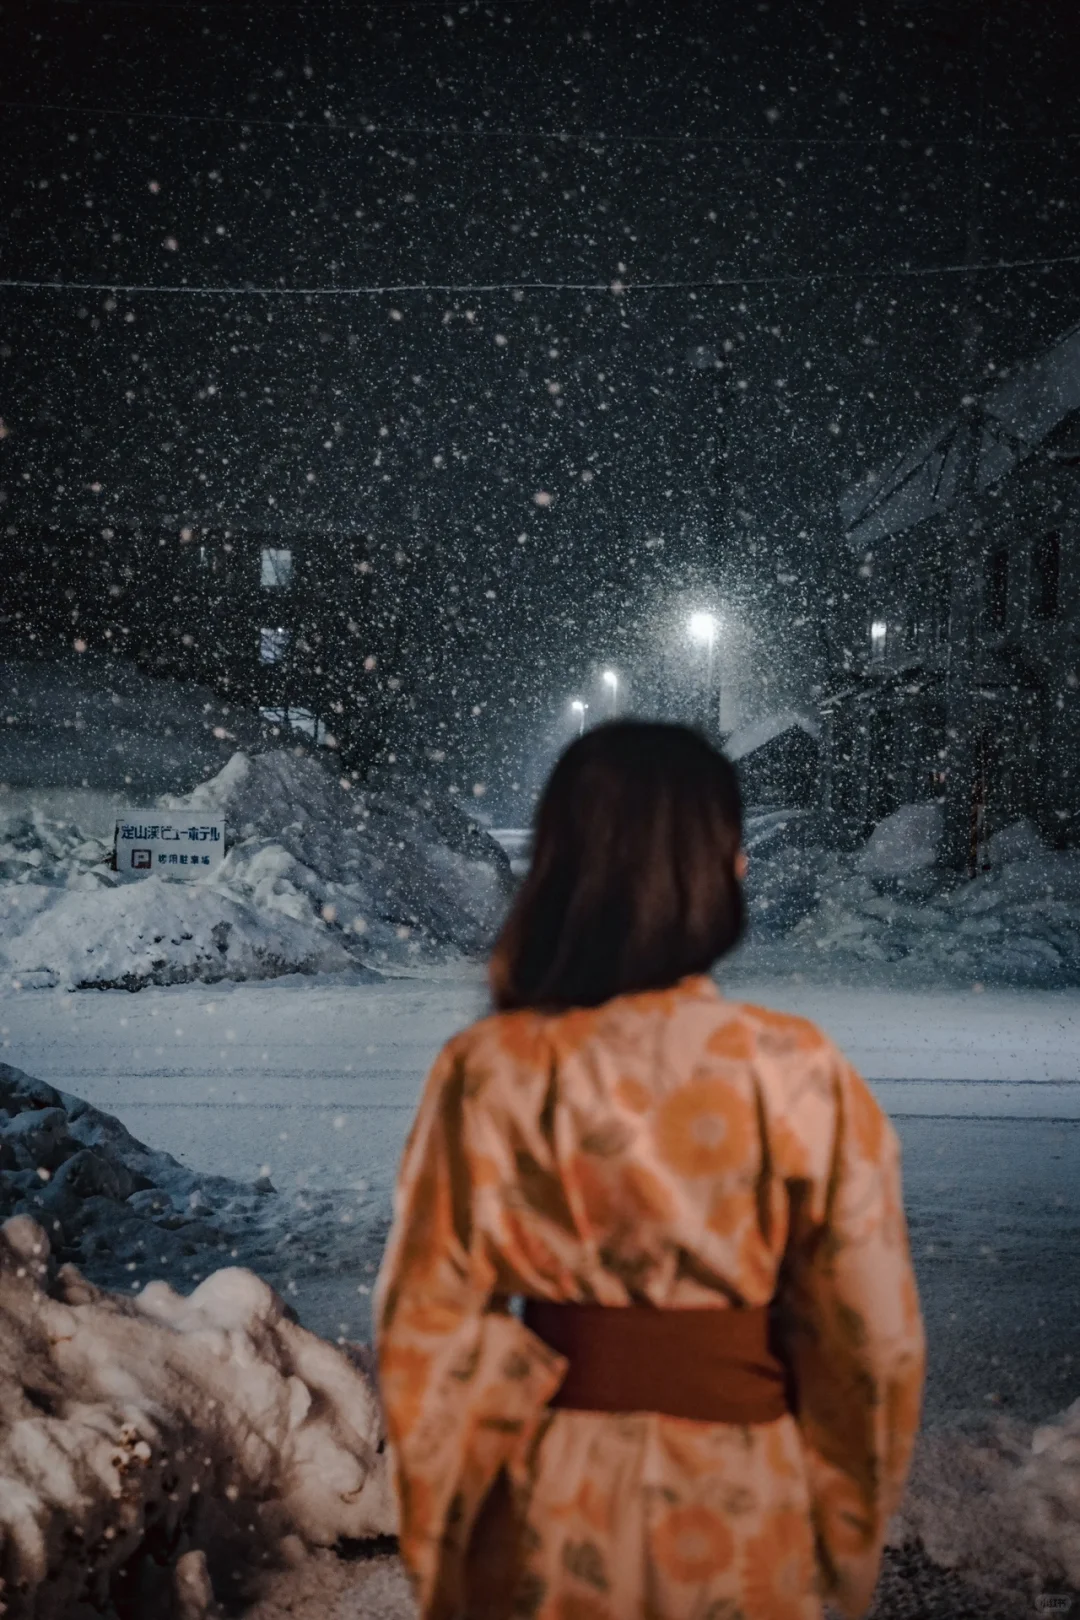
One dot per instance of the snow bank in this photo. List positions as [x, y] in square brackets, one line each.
[1001, 1507]
[105, 1199]
[146, 1442]
[385, 859]
[153, 932]
[126, 1213]
[1019, 842]
[887, 910]
[907, 841]
[1017, 924]
[319, 876]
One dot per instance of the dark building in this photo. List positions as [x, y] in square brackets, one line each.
[967, 686]
[280, 624]
[779, 761]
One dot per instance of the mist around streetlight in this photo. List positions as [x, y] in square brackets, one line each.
[611, 681]
[578, 708]
[702, 627]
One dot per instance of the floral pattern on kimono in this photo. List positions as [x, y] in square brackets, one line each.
[673, 1148]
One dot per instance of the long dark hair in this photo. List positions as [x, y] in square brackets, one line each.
[633, 881]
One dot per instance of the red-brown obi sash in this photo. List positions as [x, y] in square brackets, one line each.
[713, 1365]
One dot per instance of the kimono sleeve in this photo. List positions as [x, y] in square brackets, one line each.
[854, 1341]
[463, 1383]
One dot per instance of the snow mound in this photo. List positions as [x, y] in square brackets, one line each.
[1020, 842]
[147, 1443]
[155, 932]
[907, 841]
[105, 1199]
[125, 1213]
[396, 858]
[320, 876]
[887, 911]
[1001, 1507]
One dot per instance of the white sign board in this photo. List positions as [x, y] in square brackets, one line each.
[178, 843]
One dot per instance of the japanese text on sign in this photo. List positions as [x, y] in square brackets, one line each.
[180, 843]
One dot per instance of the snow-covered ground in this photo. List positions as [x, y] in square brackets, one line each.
[313, 1081]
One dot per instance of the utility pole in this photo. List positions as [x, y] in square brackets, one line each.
[962, 786]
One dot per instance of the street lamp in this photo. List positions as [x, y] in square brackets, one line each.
[611, 681]
[579, 709]
[702, 628]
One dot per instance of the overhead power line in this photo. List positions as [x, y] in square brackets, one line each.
[618, 286]
[587, 137]
[281, 5]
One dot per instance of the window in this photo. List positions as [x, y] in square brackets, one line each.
[276, 568]
[273, 645]
[879, 632]
[1046, 575]
[302, 720]
[997, 589]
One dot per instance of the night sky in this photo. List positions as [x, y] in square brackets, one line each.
[393, 272]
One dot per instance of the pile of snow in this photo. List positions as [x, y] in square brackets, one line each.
[1020, 842]
[907, 841]
[1002, 1507]
[888, 907]
[108, 1202]
[384, 860]
[147, 1443]
[126, 1213]
[319, 876]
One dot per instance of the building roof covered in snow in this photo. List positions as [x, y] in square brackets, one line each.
[970, 451]
[748, 739]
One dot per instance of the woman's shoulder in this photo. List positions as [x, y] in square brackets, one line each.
[497, 1040]
[778, 1032]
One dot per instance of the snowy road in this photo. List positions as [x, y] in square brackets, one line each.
[316, 1080]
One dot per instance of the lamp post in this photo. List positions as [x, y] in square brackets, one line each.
[702, 628]
[611, 681]
[579, 709]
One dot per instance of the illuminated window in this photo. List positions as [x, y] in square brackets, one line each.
[276, 568]
[273, 645]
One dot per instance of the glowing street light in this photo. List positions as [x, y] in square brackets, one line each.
[579, 709]
[703, 628]
[611, 681]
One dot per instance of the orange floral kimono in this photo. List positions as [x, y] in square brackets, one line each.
[676, 1148]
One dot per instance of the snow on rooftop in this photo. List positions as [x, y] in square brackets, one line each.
[747, 739]
[968, 452]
